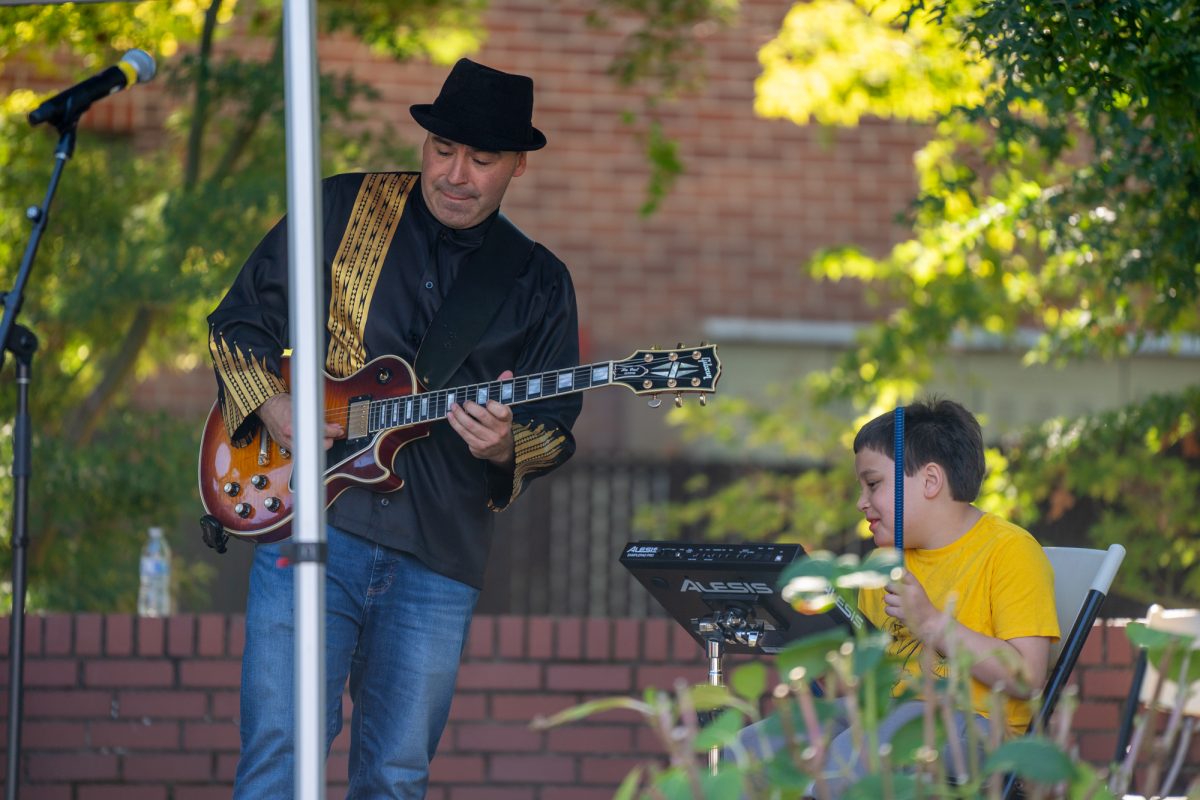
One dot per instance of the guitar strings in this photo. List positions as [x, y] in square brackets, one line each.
[471, 391]
[550, 388]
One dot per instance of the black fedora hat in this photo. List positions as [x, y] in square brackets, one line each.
[482, 108]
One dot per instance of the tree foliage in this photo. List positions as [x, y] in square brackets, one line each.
[1060, 191]
[664, 56]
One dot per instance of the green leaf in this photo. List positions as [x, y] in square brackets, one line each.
[911, 737]
[783, 773]
[706, 697]
[872, 787]
[750, 680]
[1033, 758]
[809, 653]
[584, 710]
[1089, 784]
[1149, 638]
[869, 655]
[721, 731]
[629, 784]
[674, 784]
[1156, 644]
[817, 565]
[726, 784]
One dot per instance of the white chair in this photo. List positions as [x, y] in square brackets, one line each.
[1082, 578]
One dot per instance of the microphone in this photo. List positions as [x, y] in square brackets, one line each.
[136, 66]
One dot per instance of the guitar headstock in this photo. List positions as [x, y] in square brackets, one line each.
[684, 370]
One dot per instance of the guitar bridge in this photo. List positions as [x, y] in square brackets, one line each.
[358, 421]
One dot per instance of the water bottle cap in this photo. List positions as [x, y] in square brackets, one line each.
[156, 531]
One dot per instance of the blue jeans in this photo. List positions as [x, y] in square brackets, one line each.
[846, 764]
[394, 628]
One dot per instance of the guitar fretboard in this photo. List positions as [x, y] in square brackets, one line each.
[398, 412]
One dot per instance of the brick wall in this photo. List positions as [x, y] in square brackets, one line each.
[142, 709]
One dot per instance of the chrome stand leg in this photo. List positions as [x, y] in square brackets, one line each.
[716, 656]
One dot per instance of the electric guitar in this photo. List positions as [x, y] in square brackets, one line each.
[382, 408]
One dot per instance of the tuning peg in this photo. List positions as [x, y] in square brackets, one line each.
[703, 400]
[679, 346]
[678, 400]
[703, 343]
[654, 402]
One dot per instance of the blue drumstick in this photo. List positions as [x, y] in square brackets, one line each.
[899, 524]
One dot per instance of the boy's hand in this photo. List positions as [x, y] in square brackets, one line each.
[1019, 664]
[907, 601]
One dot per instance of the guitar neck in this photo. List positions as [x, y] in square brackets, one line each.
[414, 409]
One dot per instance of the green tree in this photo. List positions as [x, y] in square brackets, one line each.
[1060, 187]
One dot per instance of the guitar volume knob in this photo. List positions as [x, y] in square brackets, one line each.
[272, 503]
[259, 481]
[232, 488]
[242, 510]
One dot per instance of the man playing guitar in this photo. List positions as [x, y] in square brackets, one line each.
[404, 567]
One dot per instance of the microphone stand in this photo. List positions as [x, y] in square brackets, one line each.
[22, 343]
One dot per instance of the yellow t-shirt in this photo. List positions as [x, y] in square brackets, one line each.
[1002, 585]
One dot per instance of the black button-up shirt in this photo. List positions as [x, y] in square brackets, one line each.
[441, 515]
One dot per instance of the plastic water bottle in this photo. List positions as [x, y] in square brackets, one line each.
[154, 593]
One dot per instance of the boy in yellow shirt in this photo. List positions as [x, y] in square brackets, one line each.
[990, 575]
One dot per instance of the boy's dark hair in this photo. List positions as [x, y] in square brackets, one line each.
[936, 431]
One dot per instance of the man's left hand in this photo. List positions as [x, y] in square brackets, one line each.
[487, 430]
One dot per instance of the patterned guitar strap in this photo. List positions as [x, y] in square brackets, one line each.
[482, 284]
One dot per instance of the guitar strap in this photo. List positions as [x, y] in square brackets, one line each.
[482, 284]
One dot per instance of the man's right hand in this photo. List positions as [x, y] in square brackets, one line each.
[276, 415]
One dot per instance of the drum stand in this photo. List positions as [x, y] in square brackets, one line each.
[735, 624]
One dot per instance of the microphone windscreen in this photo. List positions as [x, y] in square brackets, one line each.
[142, 63]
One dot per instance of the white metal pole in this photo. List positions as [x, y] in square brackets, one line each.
[308, 405]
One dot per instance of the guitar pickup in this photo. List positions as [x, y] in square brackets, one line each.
[264, 447]
[358, 419]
